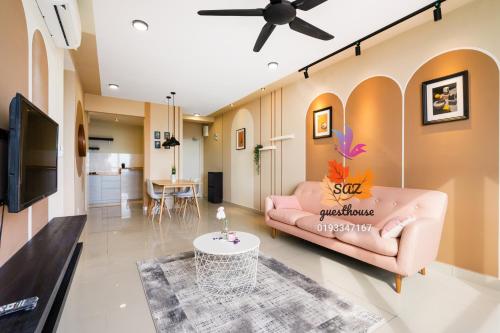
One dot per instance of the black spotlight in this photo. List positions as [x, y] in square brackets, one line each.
[306, 73]
[358, 49]
[437, 12]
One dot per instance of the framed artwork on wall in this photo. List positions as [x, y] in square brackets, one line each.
[157, 144]
[322, 123]
[157, 135]
[446, 99]
[166, 135]
[241, 139]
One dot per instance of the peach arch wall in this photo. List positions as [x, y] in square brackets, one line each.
[320, 151]
[460, 158]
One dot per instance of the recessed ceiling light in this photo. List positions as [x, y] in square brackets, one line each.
[123, 306]
[273, 65]
[262, 89]
[232, 104]
[196, 114]
[113, 86]
[140, 25]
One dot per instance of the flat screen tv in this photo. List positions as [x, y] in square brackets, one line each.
[33, 142]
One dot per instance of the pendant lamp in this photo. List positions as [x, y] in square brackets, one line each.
[166, 144]
[173, 140]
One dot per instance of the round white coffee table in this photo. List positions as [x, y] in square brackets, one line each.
[224, 268]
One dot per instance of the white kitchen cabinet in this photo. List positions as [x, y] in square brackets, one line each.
[131, 184]
[104, 189]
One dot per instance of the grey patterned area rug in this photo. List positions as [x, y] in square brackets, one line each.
[283, 301]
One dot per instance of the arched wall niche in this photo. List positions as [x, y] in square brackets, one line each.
[15, 67]
[242, 167]
[40, 97]
[460, 158]
[374, 112]
[320, 151]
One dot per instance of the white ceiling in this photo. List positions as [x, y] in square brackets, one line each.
[209, 61]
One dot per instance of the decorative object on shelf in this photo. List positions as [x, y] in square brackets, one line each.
[322, 123]
[174, 174]
[157, 135]
[157, 144]
[446, 99]
[256, 157]
[268, 148]
[221, 216]
[283, 137]
[241, 139]
[82, 141]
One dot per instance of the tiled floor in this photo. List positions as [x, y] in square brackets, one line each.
[107, 296]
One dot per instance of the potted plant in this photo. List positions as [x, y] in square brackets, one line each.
[174, 174]
[256, 157]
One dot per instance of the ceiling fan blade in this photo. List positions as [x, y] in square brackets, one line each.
[307, 4]
[232, 12]
[266, 31]
[308, 29]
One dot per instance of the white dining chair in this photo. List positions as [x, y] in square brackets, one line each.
[187, 198]
[155, 200]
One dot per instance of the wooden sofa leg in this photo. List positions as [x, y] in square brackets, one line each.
[274, 233]
[399, 282]
[422, 271]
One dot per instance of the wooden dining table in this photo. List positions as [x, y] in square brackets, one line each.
[168, 184]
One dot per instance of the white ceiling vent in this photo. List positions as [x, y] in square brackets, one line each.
[63, 21]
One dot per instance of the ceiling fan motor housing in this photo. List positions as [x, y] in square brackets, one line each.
[280, 13]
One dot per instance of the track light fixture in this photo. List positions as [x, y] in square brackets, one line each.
[435, 6]
[358, 49]
[437, 12]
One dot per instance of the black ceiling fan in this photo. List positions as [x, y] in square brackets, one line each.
[278, 12]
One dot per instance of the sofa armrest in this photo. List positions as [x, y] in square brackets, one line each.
[419, 245]
[269, 205]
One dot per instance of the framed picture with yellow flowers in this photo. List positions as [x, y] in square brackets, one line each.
[322, 123]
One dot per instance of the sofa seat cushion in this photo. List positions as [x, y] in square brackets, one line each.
[368, 239]
[288, 216]
[325, 228]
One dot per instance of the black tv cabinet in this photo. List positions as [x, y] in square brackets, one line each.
[43, 267]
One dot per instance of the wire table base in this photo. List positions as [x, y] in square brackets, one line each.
[227, 275]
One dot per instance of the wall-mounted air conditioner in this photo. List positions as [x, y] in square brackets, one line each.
[63, 21]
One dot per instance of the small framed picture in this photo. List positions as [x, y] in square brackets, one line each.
[446, 99]
[241, 139]
[157, 144]
[157, 135]
[322, 123]
[166, 135]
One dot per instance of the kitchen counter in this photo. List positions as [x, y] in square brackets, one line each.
[112, 187]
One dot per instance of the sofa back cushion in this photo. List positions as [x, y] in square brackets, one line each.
[386, 202]
[286, 202]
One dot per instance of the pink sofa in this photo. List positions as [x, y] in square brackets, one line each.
[404, 256]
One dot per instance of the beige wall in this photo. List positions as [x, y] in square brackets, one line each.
[113, 105]
[13, 65]
[34, 67]
[126, 138]
[471, 26]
